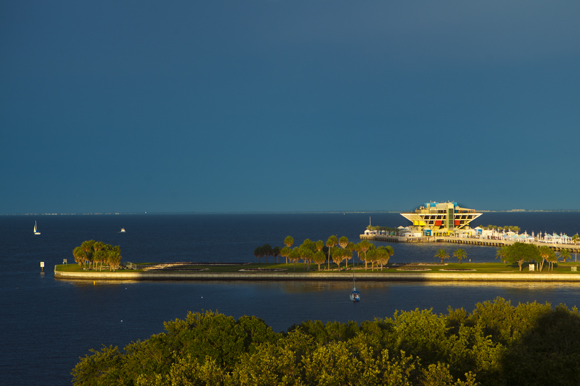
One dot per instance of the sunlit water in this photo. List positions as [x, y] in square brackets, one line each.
[48, 324]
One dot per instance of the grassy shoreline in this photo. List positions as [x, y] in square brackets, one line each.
[272, 271]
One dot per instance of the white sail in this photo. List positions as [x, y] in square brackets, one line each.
[35, 229]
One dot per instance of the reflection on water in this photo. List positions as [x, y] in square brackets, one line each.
[317, 286]
[499, 284]
[84, 283]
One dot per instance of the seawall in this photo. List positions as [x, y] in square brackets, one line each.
[314, 276]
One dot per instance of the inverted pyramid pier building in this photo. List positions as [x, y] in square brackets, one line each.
[439, 218]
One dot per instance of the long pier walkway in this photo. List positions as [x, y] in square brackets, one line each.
[573, 248]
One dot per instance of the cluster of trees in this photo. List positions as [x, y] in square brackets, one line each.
[336, 250]
[512, 228]
[524, 252]
[459, 253]
[93, 254]
[266, 250]
[496, 344]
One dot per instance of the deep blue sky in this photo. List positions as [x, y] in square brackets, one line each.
[290, 105]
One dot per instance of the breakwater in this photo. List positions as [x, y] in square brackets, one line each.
[573, 248]
[314, 276]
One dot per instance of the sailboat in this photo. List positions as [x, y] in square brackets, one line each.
[122, 230]
[354, 295]
[35, 229]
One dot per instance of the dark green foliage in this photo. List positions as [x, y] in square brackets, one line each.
[91, 253]
[199, 336]
[497, 344]
[522, 252]
[548, 352]
[512, 228]
[331, 332]
[276, 252]
[259, 253]
[101, 368]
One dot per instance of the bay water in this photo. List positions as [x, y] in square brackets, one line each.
[47, 324]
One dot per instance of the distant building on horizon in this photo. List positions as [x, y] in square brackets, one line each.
[438, 219]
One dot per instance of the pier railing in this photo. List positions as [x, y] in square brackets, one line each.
[574, 248]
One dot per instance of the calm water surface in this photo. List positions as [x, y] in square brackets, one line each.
[48, 324]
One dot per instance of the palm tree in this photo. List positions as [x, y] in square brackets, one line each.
[382, 256]
[502, 253]
[330, 243]
[320, 245]
[87, 246]
[338, 256]
[552, 259]
[267, 250]
[319, 258]
[114, 257]
[285, 252]
[364, 247]
[305, 254]
[100, 257]
[79, 255]
[351, 249]
[442, 254]
[546, 253]
[372, 257]
[565, 254]
[356, 248]
[259, 253]
[294, 256]
[390, 250]
[98, 246]
[343, 242]
[288, 241]
[575, 240]
[460, 254]
[276, 252]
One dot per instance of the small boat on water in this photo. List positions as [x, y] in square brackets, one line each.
[122, 230]
[354, 295]
[36, 232]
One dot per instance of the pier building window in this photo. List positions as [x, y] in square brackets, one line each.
[450, 218]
